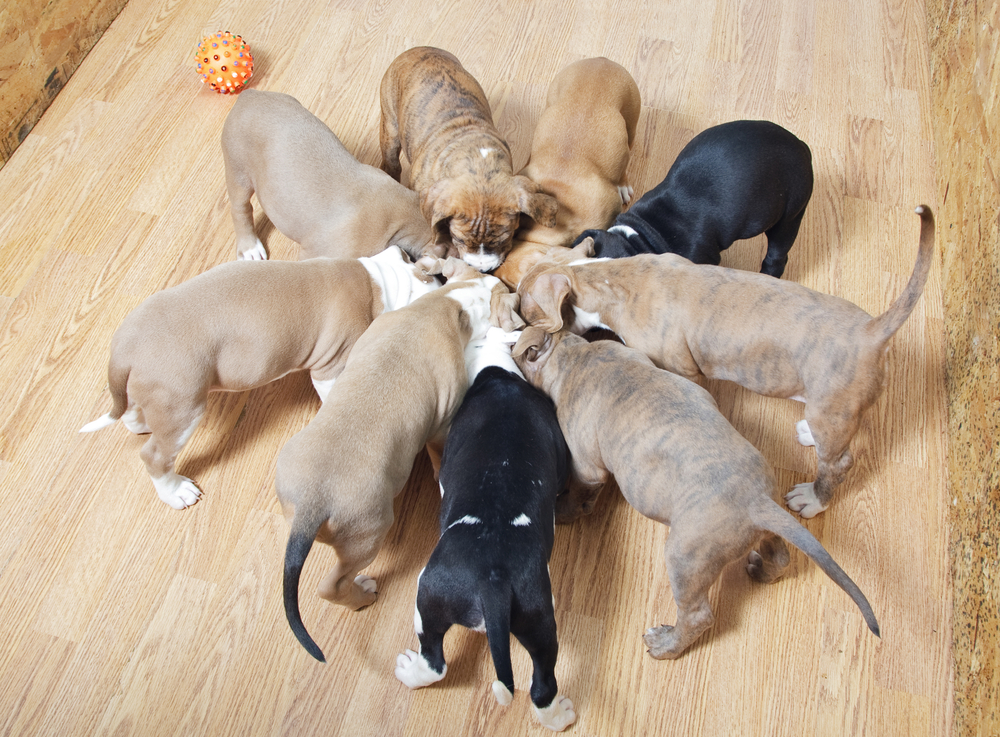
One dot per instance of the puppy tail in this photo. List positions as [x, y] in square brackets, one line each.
[300, 542]
[775, 519]
[883, 327]
[118, 386]
[496, 599]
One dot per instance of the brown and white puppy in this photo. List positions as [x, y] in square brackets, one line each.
[580, 149]
[773, 337]
[336, 479]
[238, 326]
[311, 187]
[436, 113]
[677, 461]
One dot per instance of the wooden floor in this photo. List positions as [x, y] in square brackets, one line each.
[122, 616]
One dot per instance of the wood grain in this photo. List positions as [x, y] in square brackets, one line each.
[124, 616]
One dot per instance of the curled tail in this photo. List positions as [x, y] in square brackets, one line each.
[496, 600]
[883, 327]
[775, 519]
[118, 386]
[300, 542]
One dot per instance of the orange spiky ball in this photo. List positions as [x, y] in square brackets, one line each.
[224, 62]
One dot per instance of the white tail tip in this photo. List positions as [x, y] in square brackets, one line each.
[99, 424]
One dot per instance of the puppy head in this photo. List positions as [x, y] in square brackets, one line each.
[532, 351]
[480, 219]
[544, 297]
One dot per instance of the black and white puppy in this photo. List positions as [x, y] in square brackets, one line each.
[732, 181]
[504, 462]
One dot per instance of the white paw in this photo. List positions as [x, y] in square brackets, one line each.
[413, 670]
[804, 434]
[558, 715]
[802, 499]
[367, 583]
[177, 491]
[257, 252]
[626, 193]
[502, 694]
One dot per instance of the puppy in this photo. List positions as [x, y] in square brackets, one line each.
[776, 338]
[580, 149]
[731, 181]
[504, 462]
[436, 113]
[677, 461]
[400, 388]
[235, 327]
[311, 187]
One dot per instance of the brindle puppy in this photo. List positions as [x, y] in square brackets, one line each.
[436, 113]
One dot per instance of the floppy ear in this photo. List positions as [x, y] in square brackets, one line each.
[549, 292]
[541, 208]
[455, 269]
[503, 309]
[428, 266]
[584, 249]
[532, 351]
[531, 344]
[437, 206]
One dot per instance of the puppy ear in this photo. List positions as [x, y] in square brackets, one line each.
[455, 269]
[541, 208]
[533, 340]
[503, 309]
[428, 267]
[549, 292]
[437, 206]
[585, 248]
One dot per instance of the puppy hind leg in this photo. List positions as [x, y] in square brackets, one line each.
[343, 584]
[553, 711]
[160, 452]
[389, 143]
[832, 431]
[692, 566]
[248, 245]
[419, 669]
[769, 560]
[780, 238]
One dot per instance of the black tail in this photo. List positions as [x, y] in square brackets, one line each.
[300, 542]
[775, 519]
[496, 600]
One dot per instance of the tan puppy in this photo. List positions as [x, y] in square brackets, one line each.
[580, 149]
[311, 187]
[336, 479]
[677, 461]
[436, 113]
[776, 338]
[238, 326]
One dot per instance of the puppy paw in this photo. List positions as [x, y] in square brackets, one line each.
[626, 192]
[413, 670]
[256, 252]
[662, 642]
[802, 499]
[177, 491]
[804, 434]
[502, 694]
[558, 715]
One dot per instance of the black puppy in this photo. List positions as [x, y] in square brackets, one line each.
[731, 181]
[503, 464]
